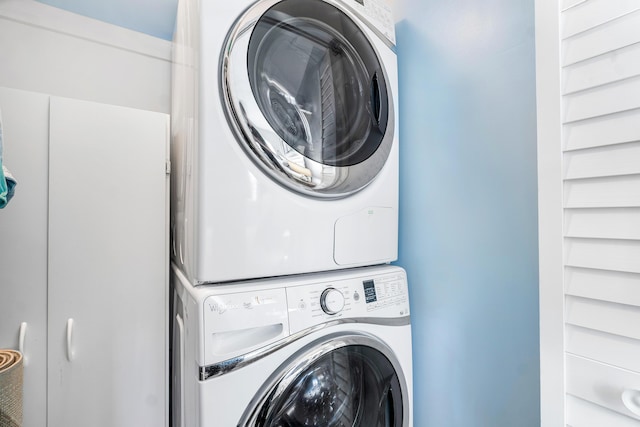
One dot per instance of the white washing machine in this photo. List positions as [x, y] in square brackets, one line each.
[323, 349]
[284, 137]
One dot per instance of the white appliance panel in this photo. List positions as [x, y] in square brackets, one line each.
[230, 221]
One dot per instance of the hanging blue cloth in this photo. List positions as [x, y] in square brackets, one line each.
[7, 182]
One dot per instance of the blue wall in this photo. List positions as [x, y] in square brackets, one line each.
[468, 233]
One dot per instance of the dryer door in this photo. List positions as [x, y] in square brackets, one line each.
[351, 380]
[306, 93]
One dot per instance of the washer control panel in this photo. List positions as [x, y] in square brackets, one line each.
[237, 323]
[380, 296]
[332, 301]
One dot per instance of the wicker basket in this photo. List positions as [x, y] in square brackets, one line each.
[10, 388]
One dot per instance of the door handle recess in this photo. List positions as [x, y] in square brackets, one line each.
[376, 102]
[631, 400]
[21, 337]
[70, 353]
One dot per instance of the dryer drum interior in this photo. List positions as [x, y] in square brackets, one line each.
[308, 97]
[350, 386]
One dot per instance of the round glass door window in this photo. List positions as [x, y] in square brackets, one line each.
[350, 386]
[307, 96]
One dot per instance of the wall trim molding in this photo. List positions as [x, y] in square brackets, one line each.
[31, 12]
[550, 220]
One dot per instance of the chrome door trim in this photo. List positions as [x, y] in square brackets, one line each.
[268, 151]
[226, 366]
[307, 356]
[366, 22]
[261, 6]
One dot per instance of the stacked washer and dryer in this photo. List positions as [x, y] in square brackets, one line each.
[285, 216]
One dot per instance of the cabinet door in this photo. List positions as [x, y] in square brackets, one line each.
[23, 243]
[108, 294]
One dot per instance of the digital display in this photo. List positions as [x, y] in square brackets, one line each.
[369, 291]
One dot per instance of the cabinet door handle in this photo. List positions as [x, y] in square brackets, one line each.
[21, 336]
[69, 340]
[631, 399]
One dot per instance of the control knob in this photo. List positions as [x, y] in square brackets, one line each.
[332, 301]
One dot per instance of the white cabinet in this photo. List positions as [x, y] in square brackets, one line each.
[97, 278]
[23, 243]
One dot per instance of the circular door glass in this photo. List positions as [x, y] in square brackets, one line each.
[355, 386]
[313, 105]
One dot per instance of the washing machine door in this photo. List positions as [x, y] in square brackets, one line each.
[351, 380]
[307, 96]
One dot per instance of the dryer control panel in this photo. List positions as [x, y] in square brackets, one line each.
[379, 296]
[378, 13]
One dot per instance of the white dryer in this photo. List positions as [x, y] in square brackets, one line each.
[324, 349]
[284, 137]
